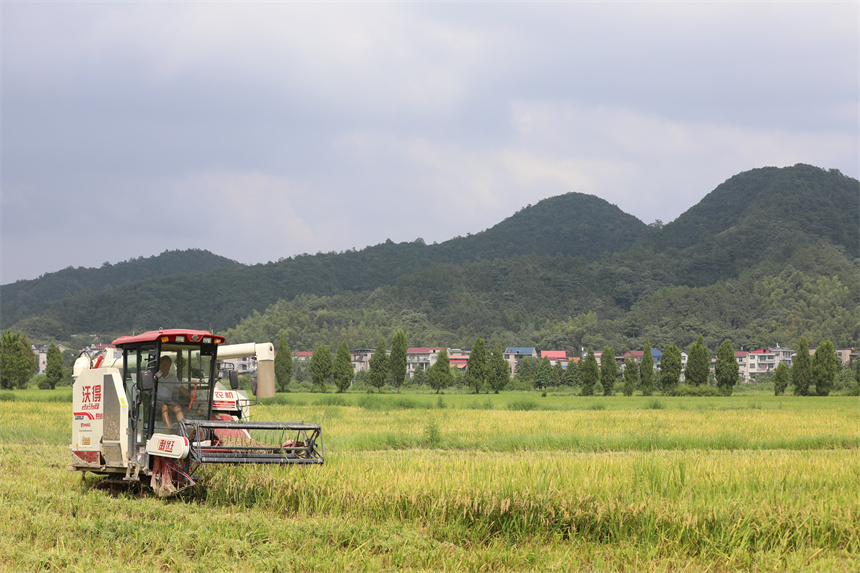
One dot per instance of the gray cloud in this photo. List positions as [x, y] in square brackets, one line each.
[260, 131]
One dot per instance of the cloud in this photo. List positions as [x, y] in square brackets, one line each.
[316, 127]
[627, 157]
[621, 155]
[263, 211]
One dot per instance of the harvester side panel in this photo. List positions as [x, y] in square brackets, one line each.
[100, 421]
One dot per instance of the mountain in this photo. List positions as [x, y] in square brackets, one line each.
[568, 258]
[569, 224]
[763, 215]
[573, 225]
[18, 298]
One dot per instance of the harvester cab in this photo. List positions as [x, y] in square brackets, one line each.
[154, 411]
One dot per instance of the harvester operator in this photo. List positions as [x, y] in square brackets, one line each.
[167, 385]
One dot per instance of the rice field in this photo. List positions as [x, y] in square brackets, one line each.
[513, 482]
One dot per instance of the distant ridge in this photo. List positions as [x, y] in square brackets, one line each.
[21, 296]
[764, 214]
[573, 253]
[572, 225]
[811, 200]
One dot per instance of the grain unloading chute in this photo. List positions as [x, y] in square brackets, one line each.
[154, 411]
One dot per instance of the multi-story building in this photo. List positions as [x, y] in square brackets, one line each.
[761, 361]
[743, 365]
[421, 358]
[846, 355]
[637, 355]
[555, 357]
[303, 355]
[782, 354]
[361, 359]
[458, 358]
[42, 354]
[764, 361]
[513, 355]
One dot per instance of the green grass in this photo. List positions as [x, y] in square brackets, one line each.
[506, 482]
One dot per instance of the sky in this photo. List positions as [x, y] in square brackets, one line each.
[259, 131]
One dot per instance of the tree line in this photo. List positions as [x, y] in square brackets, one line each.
[489, 371]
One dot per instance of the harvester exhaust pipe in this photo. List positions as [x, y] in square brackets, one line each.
[265, 353]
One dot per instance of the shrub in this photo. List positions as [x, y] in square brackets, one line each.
[518, 384]
[371, 402]
[331, 400]
[432, 435]
[525, 404]
[687, 390]
[303, 387]
[277, 400]
[851, 389]
[360, 386]
[377, 402]
[404, 404]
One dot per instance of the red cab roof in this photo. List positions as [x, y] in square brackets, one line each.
[153, 335]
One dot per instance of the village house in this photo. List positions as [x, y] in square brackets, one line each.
[42, 354]
[846, 355]
[458, 358]
[761, 361]
[514, 354]
[750, 363]
[421, 358]
[743, 365]
[361, 359]
[555, 357]
[637, 355]
[758, 362]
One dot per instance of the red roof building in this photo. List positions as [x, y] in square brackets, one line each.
[555, 356]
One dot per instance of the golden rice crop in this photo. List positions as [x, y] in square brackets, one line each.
[698, 501]
[352, 428]
[626, 488]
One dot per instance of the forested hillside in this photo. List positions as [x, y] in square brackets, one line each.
[19, 298]
[768, 256]
[566, 304]
[572, 225]
[569, 224]
[763, 215]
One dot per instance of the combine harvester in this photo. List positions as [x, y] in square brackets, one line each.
[151, 411]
